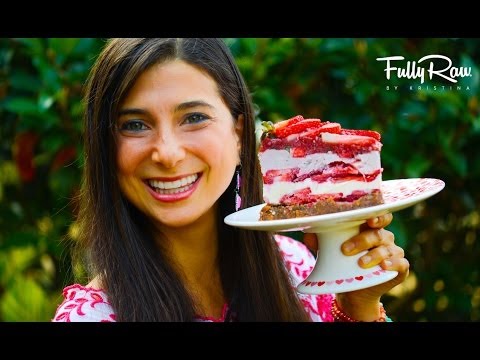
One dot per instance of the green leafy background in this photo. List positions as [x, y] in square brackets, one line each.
[426, 132]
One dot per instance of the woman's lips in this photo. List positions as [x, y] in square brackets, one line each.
[170, 193]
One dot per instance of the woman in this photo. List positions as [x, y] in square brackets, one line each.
[168, 122]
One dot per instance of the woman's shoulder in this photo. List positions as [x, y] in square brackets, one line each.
[299, 262]
[84, 303]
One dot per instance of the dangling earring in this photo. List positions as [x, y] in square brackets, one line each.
[238, 199]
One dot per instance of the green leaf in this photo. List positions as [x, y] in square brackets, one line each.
[8, 172]
[48, 75]
[473, 81]
[63, 46]
[20, 80]
[362, 93]
[400, 229]
[231, 42]
[333, 45]
[267, 126]
[51, 79]
[87, 46]
[17, 240]
[14, 260]
[39, 121]
[417, 166]
[76, 111]
[35, 45]
[456, 159]
[61, 182]
[21, 105]
[411, 116]
[77, 72]
[52, 142]
[25, 300]
[250, 45]
[45, 101]
[458, 162]
[5, 57]
[476, 124]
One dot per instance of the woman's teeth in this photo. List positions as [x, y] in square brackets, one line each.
[173, 187]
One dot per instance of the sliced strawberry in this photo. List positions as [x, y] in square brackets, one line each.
[280, 175]
[299, 127]
[302, 196]
[348, 139]
[327, 127]
[339, 167]
[291, 121]
[355, 195]
[297, 152]
[369, 133]
[305, 196]
[342, 177]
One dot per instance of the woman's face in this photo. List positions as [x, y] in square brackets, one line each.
[177, 144]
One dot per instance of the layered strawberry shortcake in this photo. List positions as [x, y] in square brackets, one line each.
[313, 167]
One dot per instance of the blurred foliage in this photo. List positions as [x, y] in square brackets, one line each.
[426, 132]
[41, 83]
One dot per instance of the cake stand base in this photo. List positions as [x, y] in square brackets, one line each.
[336, 273]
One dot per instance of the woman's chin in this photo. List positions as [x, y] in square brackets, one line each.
[176, 219]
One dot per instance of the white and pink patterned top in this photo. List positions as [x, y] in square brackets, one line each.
[88, 304]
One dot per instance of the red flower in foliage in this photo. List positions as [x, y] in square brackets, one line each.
[63, 157]
[23, 152]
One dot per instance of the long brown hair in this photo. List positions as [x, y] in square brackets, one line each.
[137, 277]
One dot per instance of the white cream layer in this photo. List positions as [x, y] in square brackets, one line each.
[272, 193]
[281, 159]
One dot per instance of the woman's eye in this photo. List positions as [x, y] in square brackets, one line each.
[195, 118]
[133, 125]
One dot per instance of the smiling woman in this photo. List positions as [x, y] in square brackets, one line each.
[168, 124]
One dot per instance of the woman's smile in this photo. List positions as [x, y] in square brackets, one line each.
[174, 188]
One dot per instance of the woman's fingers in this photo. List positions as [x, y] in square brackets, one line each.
[380, 221]
[381, 253]
[399, 264]
[370, 237]
[366, 240]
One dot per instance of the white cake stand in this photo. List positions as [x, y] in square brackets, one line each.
[334, 272]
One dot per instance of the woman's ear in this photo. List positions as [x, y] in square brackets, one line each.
[239, 132]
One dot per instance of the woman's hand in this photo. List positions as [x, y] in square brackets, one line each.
[364, 304]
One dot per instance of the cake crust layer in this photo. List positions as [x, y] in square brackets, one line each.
[276, 212]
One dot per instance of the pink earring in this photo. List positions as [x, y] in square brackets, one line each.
[238, 199]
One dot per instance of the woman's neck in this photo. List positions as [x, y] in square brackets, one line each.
[193, 250]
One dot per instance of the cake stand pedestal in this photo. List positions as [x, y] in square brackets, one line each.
[335, 272]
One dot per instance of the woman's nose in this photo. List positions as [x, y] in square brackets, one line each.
[168, 150]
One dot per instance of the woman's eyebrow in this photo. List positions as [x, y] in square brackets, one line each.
[191, 104]
[133, 111]
[180, 107]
